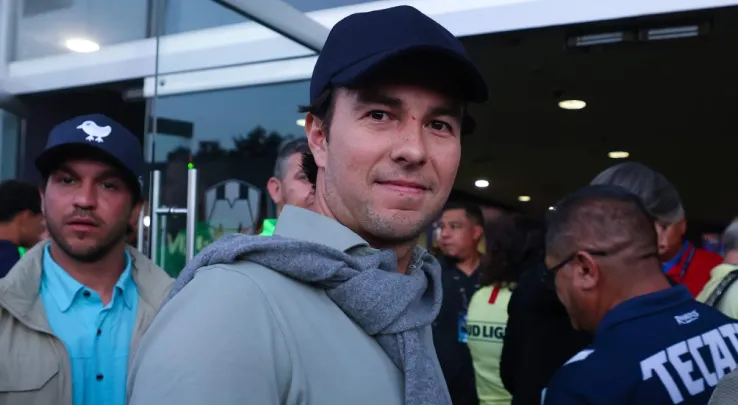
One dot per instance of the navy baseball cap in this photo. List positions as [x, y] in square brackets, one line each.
[94, 135]
[362, 42]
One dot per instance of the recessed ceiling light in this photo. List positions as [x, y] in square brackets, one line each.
[81, 45]
[301, 122]
[524, 198]
[618, 154]
[551, 208]
[572, 104]
[481, 183]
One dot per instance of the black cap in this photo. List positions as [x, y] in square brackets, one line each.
[102, 137]
[363, 41]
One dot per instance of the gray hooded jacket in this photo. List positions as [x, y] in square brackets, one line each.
[309, 316]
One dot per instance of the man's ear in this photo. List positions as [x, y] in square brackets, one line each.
[317, 138]
[135, 213]
[587, 271]
[41, 193]
[273, 187]
[682, 226]
[478, 232]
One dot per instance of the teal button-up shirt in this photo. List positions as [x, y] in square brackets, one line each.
[97, 337]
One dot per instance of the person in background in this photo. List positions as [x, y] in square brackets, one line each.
[511, 246]
[461, 228]
[335, 308]
[289, 184]
[683, 262]
[538, 338]
[654, 344]
[21, 221]
[73, 308]
[721, 291]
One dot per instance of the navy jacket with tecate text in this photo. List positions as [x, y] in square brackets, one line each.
[657, 349]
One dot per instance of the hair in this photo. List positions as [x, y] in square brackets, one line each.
[289, 148]
[472, 211]
[604, 215]
[16, 197]
[657, 194]
[510, 244]
[730, 236]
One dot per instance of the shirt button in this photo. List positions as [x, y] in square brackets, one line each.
[86, 294]
[99, 377]
[99, 332]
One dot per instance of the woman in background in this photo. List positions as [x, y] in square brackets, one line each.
[511, 246]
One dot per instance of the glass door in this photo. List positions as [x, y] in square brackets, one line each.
[214, 133]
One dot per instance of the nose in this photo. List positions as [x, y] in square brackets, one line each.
[409, 148]
[86, 196]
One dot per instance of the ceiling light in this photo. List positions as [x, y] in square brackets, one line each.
[618, 154]
[551, 208]
[572, 104]
[481, 183]
[147, 221]
[81, 45]
[524, 198]
[301, 122]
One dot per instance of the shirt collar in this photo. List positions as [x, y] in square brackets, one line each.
[65, 288]
[299, 223]
[645, 305]
[676, 259]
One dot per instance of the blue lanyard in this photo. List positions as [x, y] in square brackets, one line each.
[687, 262]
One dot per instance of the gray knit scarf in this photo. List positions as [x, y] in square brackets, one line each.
[390, 306]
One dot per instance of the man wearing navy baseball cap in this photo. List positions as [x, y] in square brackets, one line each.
[336, 307]
[72, 308]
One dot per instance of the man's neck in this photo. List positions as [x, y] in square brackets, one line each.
[731, 257]
[653, 280]
[469, 265]
[9, 232]
[100, 276]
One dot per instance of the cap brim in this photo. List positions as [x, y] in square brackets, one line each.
[475, 86]
[51, 157]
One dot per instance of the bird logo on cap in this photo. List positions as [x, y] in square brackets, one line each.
[95, 133]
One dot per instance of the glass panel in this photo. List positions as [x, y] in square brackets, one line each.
[10, 133]
[51, 27]
[312, 5]
[191, 15]
[232, 138]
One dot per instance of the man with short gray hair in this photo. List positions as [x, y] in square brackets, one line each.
[683, 262]
[288, 185]
[721, 291]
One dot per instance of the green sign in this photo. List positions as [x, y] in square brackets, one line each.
[174, 252]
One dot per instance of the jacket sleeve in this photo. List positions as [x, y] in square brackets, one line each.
[559, 395]
[216, 342]
[511, 344]
[726, 392]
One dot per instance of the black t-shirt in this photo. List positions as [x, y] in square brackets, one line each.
[453, 355]
[9, 256]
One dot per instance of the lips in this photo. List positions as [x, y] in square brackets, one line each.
[82, 224]
[404, 186]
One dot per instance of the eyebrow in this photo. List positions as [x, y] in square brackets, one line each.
[364, 98]
[106, 174]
